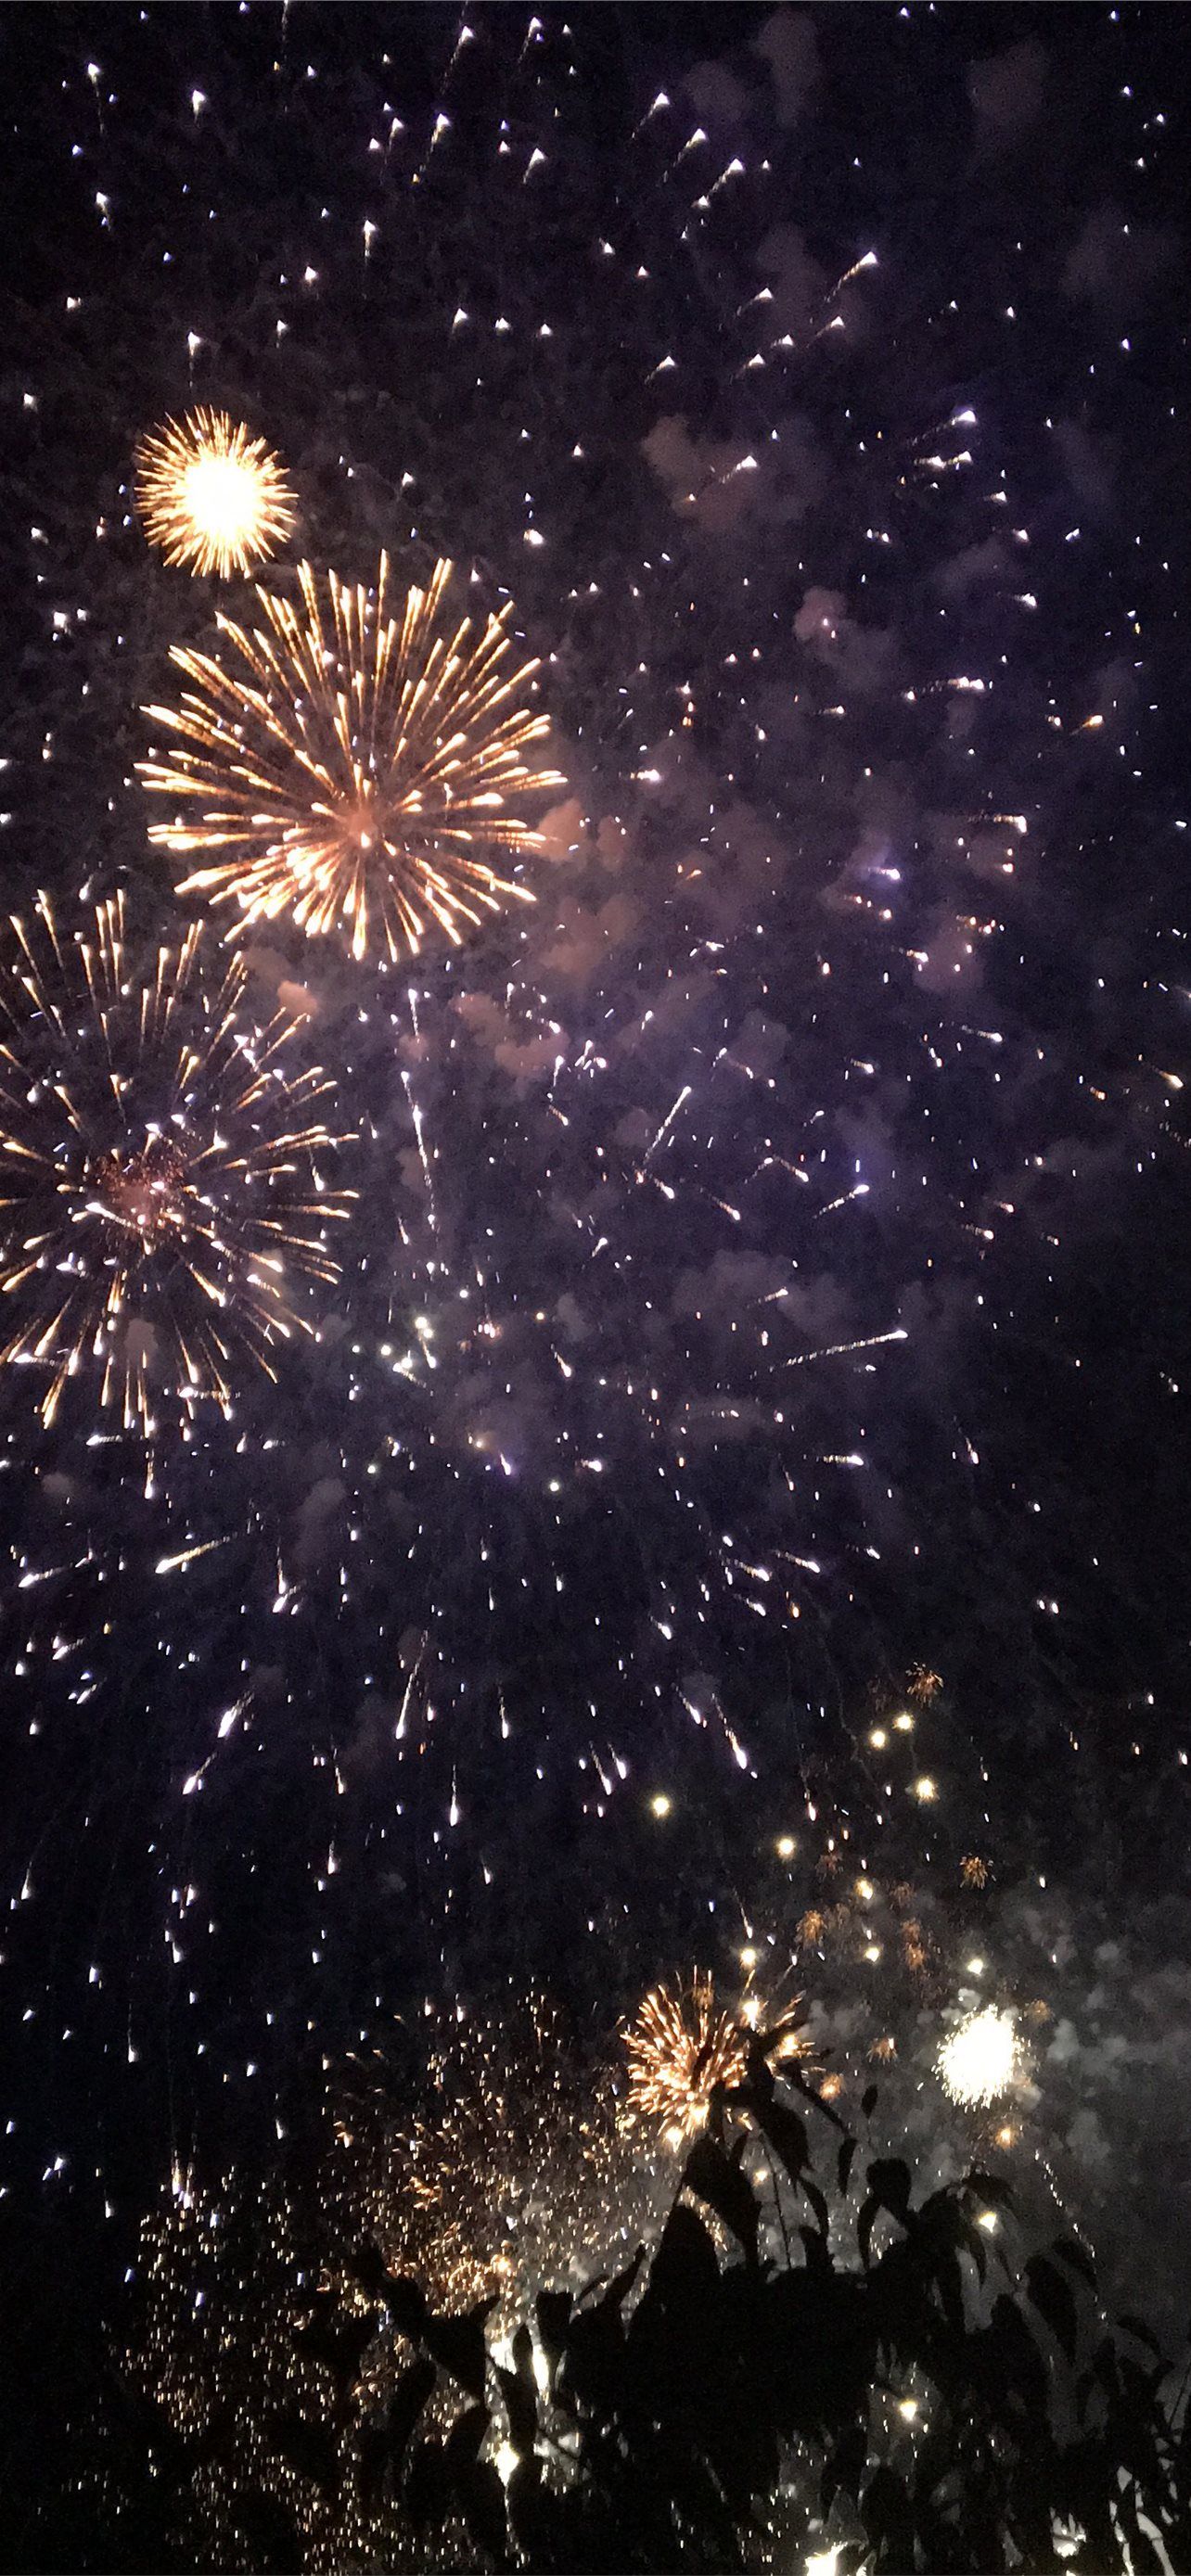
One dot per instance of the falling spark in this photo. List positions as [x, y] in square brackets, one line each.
[668, 1120]
[834, 1350]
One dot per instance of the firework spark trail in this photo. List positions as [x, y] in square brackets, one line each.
[355, 763]
[667, 1122]
[158, 1171]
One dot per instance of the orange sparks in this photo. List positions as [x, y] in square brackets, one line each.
[210, 496]
[679, 2048]
[354, 765]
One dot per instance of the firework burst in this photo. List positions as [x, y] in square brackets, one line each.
[981, 2059]
[355, 766]
[679, 2048]
[158, 1172]
[211, 497]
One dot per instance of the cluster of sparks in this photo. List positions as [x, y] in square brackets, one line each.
[211, 497]
[513, 2167]
[684, 2049]
[981, 2059]
[355, 765]
[160, 1171]
[506, 2165]
[681, 2050]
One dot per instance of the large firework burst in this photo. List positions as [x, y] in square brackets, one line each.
[157, 1168]
[354, 765]
[213, 498]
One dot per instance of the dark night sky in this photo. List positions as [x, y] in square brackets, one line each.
[911, 956]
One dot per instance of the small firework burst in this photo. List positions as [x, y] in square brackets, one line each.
[981, 2057]
[210, 496]
[680, 2048]
[354, 765]
[973, 1870]
[158, 1170]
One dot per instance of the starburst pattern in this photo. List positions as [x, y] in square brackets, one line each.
[355, 765]
[158, 1169]
[679, 2048]
[210, 496]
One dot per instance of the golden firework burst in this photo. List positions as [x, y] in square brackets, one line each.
[679, 2048]
[158, 1170]
[354, 765]
[210, 496]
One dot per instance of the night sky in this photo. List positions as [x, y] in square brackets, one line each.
[765, 1278]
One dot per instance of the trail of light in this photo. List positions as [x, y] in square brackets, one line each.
[174, 1564]
[668, 1121]
[837, 1350]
